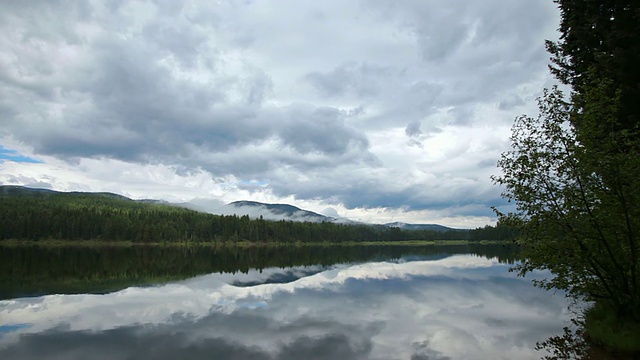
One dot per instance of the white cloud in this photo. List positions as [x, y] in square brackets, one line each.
[380, 109]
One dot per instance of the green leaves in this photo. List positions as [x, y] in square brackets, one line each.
[574, 193]
[574, 171]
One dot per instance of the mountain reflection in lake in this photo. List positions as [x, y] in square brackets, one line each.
[445, 307]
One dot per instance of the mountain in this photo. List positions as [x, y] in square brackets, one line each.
[432, 227]
[253, 209]
[15, 190]
[275, 212]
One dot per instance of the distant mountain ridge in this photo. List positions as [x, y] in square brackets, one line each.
[278, 212]
[21, 190]
[18, 190]
[253, 209]
[42, 214]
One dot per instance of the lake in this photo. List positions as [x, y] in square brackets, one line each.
[356, 302]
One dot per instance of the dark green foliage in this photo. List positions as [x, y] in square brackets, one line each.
[575, 208]
[600, 40]
[570, 345]
[499, 232]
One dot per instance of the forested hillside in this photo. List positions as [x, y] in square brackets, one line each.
[35, 214]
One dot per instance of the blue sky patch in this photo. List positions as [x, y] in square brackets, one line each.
[4, 329]
[12, 155]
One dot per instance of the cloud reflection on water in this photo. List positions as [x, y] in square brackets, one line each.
[460, 307]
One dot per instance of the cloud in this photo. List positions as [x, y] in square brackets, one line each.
[331, 212]
[413, 129]
[130, 100]
[315, 100]
[359, 80]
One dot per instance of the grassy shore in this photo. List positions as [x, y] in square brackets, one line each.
[607, 333]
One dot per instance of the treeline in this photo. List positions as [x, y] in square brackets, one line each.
[498, 232]
[37, 215]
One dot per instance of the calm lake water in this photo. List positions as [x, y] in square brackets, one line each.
[306, 303]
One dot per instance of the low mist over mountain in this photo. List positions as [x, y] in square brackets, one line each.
[271, 212]
[277, 212]
[432, 227]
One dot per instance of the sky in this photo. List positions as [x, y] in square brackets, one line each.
[377, 110]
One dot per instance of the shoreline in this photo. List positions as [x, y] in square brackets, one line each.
[239, 244]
